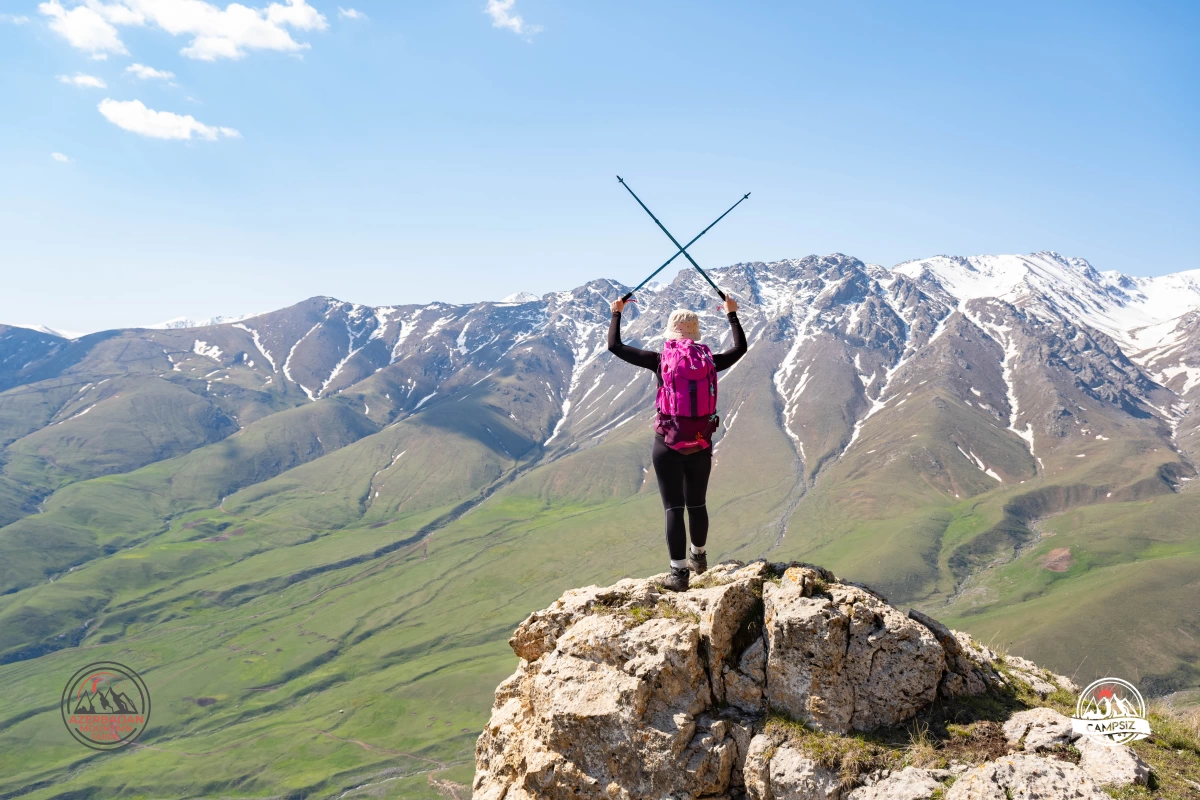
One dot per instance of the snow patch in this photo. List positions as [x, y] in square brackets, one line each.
[462, 339]
[257, 343]
[287, 373]
[205, 349]
[978, 462]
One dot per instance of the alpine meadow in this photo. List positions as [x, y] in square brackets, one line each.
[314, 530]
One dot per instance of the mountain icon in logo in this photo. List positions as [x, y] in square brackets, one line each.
[105, 702]
[106, 706]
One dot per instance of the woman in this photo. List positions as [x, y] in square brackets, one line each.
[686, 418]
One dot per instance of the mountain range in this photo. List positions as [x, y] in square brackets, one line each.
[328, 518]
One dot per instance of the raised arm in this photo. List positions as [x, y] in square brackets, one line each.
[647, 359]
[730, 357]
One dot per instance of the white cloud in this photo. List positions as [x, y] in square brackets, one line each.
[86, 81]
[500, 12]
[149, 73]
[350, 13]
[84, 27]
[215, 32]
[59, 157]
[132, 115]
[14, 19]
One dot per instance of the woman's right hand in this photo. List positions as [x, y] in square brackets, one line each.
[618, 306]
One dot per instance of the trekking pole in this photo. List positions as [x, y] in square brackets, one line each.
[689, 244]
[686, 254]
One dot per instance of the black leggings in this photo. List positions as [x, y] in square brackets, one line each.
[683, 482]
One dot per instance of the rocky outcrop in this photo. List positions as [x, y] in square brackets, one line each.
[1025, 776]
[1044, 729]
[631, 692]
[781, 772]
[841, 659]
[908, 784]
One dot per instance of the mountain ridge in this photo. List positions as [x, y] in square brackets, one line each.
[1116, 280]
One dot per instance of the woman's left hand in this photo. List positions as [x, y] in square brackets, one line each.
[730, 305]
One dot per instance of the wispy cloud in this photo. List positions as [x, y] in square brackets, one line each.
[215, 32]
[59, 157]
[13, 19]
[132, 115]
[350, 13]
[86, 81]
[149, 73]
[502, 17]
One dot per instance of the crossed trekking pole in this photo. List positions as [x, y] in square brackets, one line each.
[682, 247]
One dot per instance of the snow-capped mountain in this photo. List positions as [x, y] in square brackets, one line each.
[179, 323]
[61, 334]
[840, 339]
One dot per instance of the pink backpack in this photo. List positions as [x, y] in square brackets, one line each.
[687, 399]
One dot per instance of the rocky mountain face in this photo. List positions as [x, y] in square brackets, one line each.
[747, 685]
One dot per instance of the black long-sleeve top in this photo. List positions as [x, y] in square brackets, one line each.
[650, 359]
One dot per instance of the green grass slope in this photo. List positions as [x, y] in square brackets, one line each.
[84, 520]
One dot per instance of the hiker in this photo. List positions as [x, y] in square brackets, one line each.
[687, 417]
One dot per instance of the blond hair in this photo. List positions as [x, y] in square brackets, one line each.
[683, 324]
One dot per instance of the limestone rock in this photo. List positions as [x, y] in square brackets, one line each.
[1026, 777]
[969, 667]
[1112, 765]
[781, 772]
[537, 635]
[1042, 681]
[1038, 729]
[744, 683]
[757, 769]
[730, 614]
[603, 706]
[843, 660]
[910, 783]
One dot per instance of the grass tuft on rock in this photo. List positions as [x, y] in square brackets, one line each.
[851, 755]
[640, 614]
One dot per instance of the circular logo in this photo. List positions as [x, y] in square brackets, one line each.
[1111, 711]
[106, 706]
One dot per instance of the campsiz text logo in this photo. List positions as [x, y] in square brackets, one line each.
[1111, 711]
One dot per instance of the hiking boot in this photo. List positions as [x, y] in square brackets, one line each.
[678, 582]
[698, 562]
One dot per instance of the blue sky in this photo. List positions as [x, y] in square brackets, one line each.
[416, 151]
